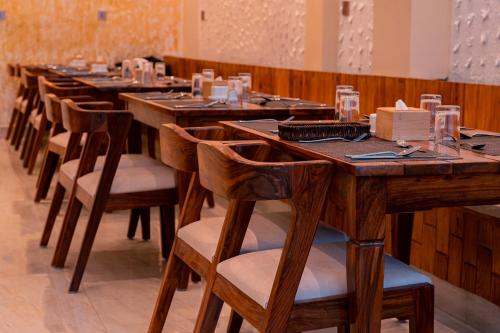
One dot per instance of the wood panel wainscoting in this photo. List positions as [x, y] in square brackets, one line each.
[460, 248]
[479, 103]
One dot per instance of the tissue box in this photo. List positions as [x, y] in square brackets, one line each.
[395, 124]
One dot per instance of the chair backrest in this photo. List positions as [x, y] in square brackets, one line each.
[245, 181]
[103, 127]
[62, 90]
[178, 145]
[53, 105]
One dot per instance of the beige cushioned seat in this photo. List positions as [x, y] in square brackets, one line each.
[324, 274]
[35, 119]
[18, 102]
[262, 234]
[68, 169]
[131, 180]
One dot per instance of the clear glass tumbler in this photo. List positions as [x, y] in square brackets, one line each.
[246, 83]
[160, 70]
[429, 102]
[339, 89]
[127, 69]
[447, 130]
[348, 106]
[196, 85]
[235, 90]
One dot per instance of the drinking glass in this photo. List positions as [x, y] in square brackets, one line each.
[235, 90]
[127, 69]
[196, 85]
[160, 70]
[429, 102]
[246, 83]
[339, 89]
[447, 130]
[147, 73]
[208, 79]
[348, 106]
[219, 91]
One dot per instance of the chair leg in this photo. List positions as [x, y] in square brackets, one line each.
[175, 269]
[210, 199]
[209, 311]
[235, 322]
[17, 128]
[55, 207]
[22, 129]
[184, 280]
[167, 228]
[28, 141]
[133, 221]
[10, 129]
[35, 149]
[88, 240]
[423, 319]
[343, 329]
[146, 223]
[47, 172]
[67, 232]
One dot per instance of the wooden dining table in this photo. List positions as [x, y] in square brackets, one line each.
[362, 192]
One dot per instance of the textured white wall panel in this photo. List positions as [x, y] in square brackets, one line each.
[355, 43]
[475, 41]
[268, 33]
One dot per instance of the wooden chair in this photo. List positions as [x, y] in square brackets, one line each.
[141, 185]
[302, 286]
[24, 106]
[38, 122]
[14, 71]
[196, 240]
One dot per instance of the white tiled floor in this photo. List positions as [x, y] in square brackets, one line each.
[121, 281]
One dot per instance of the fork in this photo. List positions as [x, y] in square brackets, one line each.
[385, 154]
[199, 105]
[266, 120]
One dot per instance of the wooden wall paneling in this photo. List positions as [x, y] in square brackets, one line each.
[428, 247]
[442, 229]
[496, 250]
[495, 289]
[471, 224]
[483, 276]
[485, 235]
[457, 223]
[468, 277]
[455, 260]
[440, 265]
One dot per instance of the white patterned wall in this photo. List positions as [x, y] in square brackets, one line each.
[260, 32]
[355, 41]
[475, 41]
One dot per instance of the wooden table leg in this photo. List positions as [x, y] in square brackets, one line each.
[401, 232]
[134, 138]
[358, 204]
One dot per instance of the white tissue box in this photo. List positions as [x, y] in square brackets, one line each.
[99, 68]
[395, 124]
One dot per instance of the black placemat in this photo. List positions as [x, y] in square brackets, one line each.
[338, 149]
[492, 145]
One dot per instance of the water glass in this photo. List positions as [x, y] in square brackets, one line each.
[246, 83]
[196, 85]
[127, 69]
[429, 102]
[208, 74]
[339, 89]
[147, 73]
[160, 70]
[219, 91]
[348, 106]
[447, 130]
[234, 91]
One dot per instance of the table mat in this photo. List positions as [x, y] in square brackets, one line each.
[492, 145]
[338, 149]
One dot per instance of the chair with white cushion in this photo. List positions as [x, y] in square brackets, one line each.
[111, 182]
[303, 285]
[15, 72]
[24, 106]
[197, 238]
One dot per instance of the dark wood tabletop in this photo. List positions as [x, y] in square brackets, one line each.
[154, 112]
[361, 193]
[117, 84]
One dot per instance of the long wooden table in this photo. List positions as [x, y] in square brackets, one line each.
[118, 85]
[361, 193]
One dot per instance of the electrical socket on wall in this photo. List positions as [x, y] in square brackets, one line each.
[3, 15]
[102, 15]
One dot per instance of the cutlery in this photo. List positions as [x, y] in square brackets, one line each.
[307, 104]
[475, 135]
[200, 105]
[266, 120]
[477, 146]
[357, 139]
[386, 154]
[276, 98]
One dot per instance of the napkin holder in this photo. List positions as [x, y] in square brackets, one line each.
[411, 124]
[98, 68]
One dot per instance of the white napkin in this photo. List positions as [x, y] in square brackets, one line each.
[401, 106]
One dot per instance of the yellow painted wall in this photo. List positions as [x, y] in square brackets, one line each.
[53, 31]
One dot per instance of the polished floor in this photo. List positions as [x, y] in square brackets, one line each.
[122, 277]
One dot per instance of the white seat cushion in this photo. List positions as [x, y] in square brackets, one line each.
[35, 119]
[262, 234]
[18, 102]
[131, 180]
[324, 274]
[68, 170]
